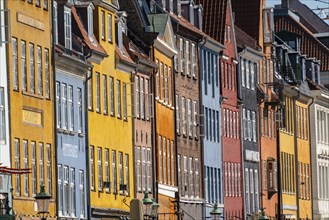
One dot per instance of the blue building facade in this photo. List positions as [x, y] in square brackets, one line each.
[210, 89]
[71, 150]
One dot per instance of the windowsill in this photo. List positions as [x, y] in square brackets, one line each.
[66, 131]
[32, 95]
[72, 133]
[112, 114]
[80, 134]
[60, 130]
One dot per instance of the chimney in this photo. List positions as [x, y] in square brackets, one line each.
[285, 4]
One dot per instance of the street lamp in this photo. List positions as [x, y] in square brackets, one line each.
[263, 216]
[147, 202]
[43, 200]
[150, 206]
[215, 213]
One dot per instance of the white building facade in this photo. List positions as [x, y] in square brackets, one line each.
[319, 126]
[5, 183]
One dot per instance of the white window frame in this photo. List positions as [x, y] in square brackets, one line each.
[142, 94]
[40, 76]
[100, 168]
[82, 194]
[193, 60]
[3, 130]
[67, 28]
[47, 73]
[80, 111]
[109, 30]
[49, 168]
[187, 57]
[92, 167]
[137, 96]
[23, 66]
[72, 193]
[70, 108]
[26, 166]
[195, 119]
[177, 115]
[114, 172]
[189, 112]
[120, 166]
[98, 92]
[64, 107]
[15, 63]
[183, 116]
[34, 167]
[102, 23]
[90, 20]
[32, 68]
[112, 101]
[118, 85]
[55, 19]
[105, 92]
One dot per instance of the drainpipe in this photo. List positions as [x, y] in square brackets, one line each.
[280, 206]
[87, 141]
[204, 39]
[54, 103]
[309, 138]
[132, 92]
[296, 150]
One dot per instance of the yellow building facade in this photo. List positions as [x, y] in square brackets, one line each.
[304, 163]
[31, 104]
[287, 161]
[109, 125]
[163, 53]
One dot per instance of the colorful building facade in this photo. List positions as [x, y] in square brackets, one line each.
[31, 102]
[109, 119]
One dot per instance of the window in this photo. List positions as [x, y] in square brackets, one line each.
[149, 169]
[114, 172]
[256, 192]
[137, 96]
[254, 130]
[197, 178]
[98, 103]
[195, 119]
[15, 63]
[100, 169]
[45, 4]
[247, 198]
[189, 112]
[82, 193]
[60, 189]
[23, 66]
[183, 116]
[119, 98]
[181, 55]
[148, 110]
[229, 34]
[80, 115]
[34, 167]
[169, 88]
[58, 104]
[109, 29]
[243, 74]
[90, 91]
[252, 76]
[17, 166]
[92, 167]
[164, 167]
[2, 116]
[162, 86]
[67, 28]
[55, 20]
[72, 193]
[49, 173]
[26, 166]
[47, 73]
[247, 63]
[40, 80]
[249, 124]
[66, 197]
[127, 174]
[193, 70]
[138, 168]
[229, 179]
[124, 94]
[112, 95]
[32, 72]
[41, 163]
[104, 94]
[64, 106]
[185, 175]
[165, 84]
[103, 24]
[120, 163]
[179, 173]
[157, 80]
[70, 109]
[142, 98]
[160, 158]
[191, 177]
[107, 168]
[90, 21]
[172, 163]
[187, 57]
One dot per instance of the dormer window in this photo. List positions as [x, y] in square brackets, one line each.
[90, 20]
[67, 28]
[55, 23]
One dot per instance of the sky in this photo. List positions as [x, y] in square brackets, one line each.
[312, 4]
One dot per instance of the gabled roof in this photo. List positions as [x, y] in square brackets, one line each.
[90, 41]
[243, 39]
[308, 18]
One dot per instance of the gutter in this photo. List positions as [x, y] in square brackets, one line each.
[296, 150]
[310, 143]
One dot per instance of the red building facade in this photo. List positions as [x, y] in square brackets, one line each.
[218, 23]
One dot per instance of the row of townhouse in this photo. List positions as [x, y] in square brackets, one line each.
[186, 100]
